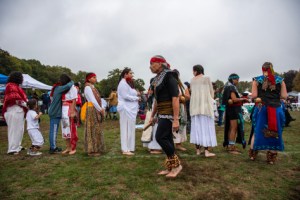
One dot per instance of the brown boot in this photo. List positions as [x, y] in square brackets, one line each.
[233, 150]
[271, 157]
[252, 154]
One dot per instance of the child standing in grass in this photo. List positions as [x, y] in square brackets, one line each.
[32, 118]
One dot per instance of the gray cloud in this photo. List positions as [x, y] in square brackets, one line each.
[224, 36]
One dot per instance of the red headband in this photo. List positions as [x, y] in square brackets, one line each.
[89, 76]
[157, 60]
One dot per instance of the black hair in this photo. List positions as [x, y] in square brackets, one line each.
[15, 77]
[32, 103]
[76, 84]
[199, 69]
[187, 84]
[64, 79]
[232, 77]
[126, 70]
[176, 73]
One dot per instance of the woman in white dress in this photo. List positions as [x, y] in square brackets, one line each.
[203, 133]
[127, 107]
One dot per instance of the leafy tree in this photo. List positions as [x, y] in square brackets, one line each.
[112, 81]
[244, 86]
[289, 78]
[219, 84]
[80, 77]
[296, 82]
[50, 74]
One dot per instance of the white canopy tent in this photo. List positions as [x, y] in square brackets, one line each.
[29, 82]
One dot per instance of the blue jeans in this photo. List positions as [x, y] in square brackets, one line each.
[54, 125]
[220, 121]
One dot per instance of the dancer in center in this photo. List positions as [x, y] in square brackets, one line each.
[166, 105]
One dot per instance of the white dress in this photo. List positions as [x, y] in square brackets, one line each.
[128, 108]
[203, 131]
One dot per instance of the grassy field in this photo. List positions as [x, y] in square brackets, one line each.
[114, 176]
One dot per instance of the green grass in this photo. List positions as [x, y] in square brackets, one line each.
[114, 176]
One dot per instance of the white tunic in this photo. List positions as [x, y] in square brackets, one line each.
[127, 100]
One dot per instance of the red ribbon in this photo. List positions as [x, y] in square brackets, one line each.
[270, 77]
[272, 119]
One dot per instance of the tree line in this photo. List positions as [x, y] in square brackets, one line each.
[49, 75]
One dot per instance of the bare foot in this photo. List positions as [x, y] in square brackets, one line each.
[72, 152]
[174, 172]
[235, 152]
[208, 154]
[179, 147]
[164, 172]
[155, 152]
[65, 151]
[128, 153]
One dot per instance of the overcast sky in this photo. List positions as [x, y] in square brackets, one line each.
[224, 36]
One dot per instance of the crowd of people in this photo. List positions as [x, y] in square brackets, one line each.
[172, 111]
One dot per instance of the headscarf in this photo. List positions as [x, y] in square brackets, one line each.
[233, 76]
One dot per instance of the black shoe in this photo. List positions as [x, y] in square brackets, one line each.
[293, 119]
[56, 150]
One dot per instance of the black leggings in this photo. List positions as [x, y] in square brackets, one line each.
[164, 136]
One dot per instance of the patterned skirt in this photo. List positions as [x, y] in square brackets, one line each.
[93, 133]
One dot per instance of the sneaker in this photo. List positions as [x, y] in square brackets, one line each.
[56, 150]
[13, 153]
[35, 153]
